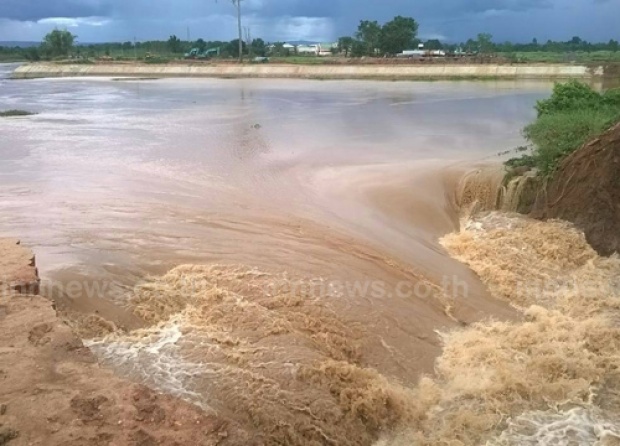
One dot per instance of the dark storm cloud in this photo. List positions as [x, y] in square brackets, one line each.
[349, 8]
[33, 10]
[325, 19]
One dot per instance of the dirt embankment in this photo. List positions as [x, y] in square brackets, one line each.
[586, 191]
[283, 71]
[53, 392]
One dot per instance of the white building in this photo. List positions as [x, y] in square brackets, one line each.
[308, 49]
[326, 49]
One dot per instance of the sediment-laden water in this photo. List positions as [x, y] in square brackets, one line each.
[269, 250]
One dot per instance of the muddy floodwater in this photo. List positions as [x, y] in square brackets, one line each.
[342, 187]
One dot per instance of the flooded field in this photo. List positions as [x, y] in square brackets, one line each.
[255, 245]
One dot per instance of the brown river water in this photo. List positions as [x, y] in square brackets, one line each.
[257, 246]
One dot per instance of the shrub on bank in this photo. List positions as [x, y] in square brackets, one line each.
[75, 62]
[157, 60]
[572, 95]
[9, 113]
[557, 135]
[570, 117]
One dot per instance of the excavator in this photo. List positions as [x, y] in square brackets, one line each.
[195, 53]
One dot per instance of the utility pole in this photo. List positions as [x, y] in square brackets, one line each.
[238, 4]
[248, 39]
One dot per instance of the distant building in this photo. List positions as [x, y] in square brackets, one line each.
[421, 52]
[308, 49]
[326, 49]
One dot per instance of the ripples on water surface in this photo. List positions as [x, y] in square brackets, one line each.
[264, 183]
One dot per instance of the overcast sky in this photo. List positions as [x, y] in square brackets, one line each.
[316, 20]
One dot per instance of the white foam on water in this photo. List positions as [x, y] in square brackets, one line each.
[578, 426]
[152, 356]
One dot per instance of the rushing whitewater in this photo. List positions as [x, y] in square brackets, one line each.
[269, 251]
[219, 340]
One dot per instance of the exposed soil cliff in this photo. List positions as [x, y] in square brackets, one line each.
[586, 191]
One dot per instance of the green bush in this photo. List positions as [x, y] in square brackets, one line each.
[611, 98]
[522, 161]
[10, 113]
[156, 60]
[556, 135]
[569, 96]
[570, 117]
[75, 62]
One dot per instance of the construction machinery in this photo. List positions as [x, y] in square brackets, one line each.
[195, 53]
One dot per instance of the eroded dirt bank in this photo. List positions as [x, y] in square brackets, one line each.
[586, 191]
[53, 392]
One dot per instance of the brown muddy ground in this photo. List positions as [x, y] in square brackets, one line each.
[53, 392]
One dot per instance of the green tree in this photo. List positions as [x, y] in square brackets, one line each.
[485, 43]
[345, 45]
[358, 49]
[259, 47]
[58, 43]
[470, 46]
[201, 45]
[506, 47]
[576, 40]
[32, 54]
[369, 33]
[174, 44]
[433, 44]
[278, 49]
[398, 35]
[232, 47]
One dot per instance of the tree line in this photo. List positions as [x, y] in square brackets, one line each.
[60, 44]
[371, 39]
[400, 34]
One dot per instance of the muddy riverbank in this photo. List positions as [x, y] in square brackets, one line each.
[53, 392]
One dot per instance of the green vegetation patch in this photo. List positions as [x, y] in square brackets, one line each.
[75, 62]
[10, 113]
[572, 115]
[157, 60]
[561, 56]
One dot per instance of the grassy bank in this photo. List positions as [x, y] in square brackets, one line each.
[12, 113]
[11, 58]
[572, 115]
[560, 57]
